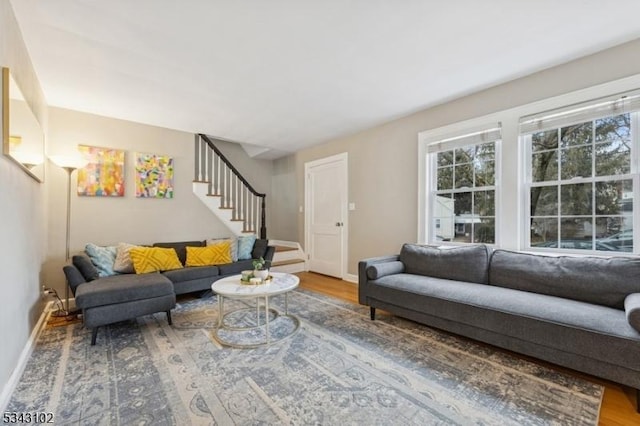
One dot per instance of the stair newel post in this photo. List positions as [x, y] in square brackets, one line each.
[263, 218]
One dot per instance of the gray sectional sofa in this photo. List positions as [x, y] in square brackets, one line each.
[105, 300]
[578, 312]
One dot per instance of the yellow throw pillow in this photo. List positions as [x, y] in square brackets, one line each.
[154, 259]
[215, 254]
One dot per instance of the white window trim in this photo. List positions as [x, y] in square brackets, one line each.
[447, 138]
[632, 175]
[511, 196]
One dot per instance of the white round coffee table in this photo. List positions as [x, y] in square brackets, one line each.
[232, 288]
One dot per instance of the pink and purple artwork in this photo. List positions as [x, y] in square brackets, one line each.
[154, 176]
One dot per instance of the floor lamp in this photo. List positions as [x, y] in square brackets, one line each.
[69, 164]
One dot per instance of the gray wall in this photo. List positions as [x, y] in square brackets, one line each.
[383, 166]
[22, 218]
[110, 220]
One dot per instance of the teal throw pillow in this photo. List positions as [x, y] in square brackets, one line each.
[245, 246]
[102, 258]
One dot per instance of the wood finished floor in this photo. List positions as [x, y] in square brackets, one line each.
[618, 405]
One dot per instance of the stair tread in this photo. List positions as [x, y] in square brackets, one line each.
[286, 262]
[285, 248]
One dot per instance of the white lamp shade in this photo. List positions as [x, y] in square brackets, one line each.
[75, 161]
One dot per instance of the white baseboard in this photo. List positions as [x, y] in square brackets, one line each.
[11, 384]
[352, 278]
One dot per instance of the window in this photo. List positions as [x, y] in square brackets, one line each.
[582, 178]
[463, 188]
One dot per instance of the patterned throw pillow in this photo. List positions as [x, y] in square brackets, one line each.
[216, 254]
[154, 259]
[102, 258]
[232, 241]
[123, 263]
[245, 246]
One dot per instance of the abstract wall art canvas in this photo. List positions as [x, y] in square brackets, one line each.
[103, 176]
[154, 176]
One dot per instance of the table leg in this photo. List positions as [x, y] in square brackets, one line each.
[266, 312]
[220, 310]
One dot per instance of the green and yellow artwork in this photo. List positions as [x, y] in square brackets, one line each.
[154, 176]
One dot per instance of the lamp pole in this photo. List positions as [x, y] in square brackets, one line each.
[69, 170]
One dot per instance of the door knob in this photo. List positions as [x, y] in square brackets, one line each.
[339, 224]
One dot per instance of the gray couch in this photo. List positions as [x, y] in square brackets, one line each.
[125, 296]
[578, 312]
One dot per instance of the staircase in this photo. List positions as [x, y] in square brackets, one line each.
[219, 185]
[226, 192]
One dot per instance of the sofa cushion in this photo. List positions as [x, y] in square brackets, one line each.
[465, 263]
[235, 267]
[214, 254]
[594, 331]
[122, 288]
[632, 310]
[245, 246]
[86, 268]
[233, 243]
[380, 270]
[192, 273]
[102, 258]
[181, 248]
[604, 281]
[123, 263]
[154, 259]
[259, 248]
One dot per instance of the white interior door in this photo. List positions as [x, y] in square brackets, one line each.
[326, 214]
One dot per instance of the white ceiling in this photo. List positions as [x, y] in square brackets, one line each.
[288, 74]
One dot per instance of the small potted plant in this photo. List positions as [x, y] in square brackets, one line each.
[260, 269]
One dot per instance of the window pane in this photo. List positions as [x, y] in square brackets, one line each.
[485, 231]
[576, 199]
[578, 134]
[615, 233]
[463, 232]
[484, 203]
[615, 197]
[576, 233]
[545, 166]
[544, 232]
[614, 129]
[544, 140]
[444, 217]
[485, 173]
[445, 178]
[464, 175]
[462, 203]
[544, 201]
[465, 154]
[613, 158]
[486, 151]
[445, 158]
[575, 162]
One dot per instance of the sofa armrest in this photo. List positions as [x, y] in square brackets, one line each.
[74, 277]
[632, 310]
[363, 280]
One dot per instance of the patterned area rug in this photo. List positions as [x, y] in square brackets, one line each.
[340, 368]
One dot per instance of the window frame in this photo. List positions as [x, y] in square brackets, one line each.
[448, 141]
[633, 176]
